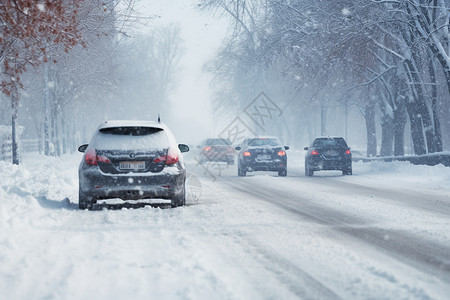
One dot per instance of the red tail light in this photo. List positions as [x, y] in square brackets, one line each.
[207, 148]
[170, 159]
[246, 153]
[281, 153]
[314, 152]
[348, 151]
[92, 158]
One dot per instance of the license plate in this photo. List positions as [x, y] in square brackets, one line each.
[264, 157]
[331, 152]
[132, 165]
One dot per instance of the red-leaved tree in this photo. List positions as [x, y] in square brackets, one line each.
[28, 31]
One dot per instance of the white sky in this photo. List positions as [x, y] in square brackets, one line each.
[191, 120]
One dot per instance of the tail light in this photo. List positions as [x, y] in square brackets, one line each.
[207, 149]
[348, 151]
[92, 158]
[314, 152]
[170, 159]
[281, 153]
[246, 153]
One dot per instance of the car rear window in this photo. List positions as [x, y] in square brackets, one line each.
[330, 142]
[131, 138]
[264, 142]
[135, 130]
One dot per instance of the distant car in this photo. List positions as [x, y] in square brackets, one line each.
[217, 150]
[132, 160]
[328, 153]
[262, 154]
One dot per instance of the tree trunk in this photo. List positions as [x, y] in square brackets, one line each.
[399, 128]
[416, 129]
[422, 108]
[52, 130]
[434, 105]
[14, 138]
[46, 119]
[57, 134]
[369, 115]
[387, 135]
[64, 130]
[323, 120]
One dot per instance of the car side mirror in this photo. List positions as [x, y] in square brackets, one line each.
[83, 148]
[306, 148]
[238, 148]
[286, 147]
[183, 148]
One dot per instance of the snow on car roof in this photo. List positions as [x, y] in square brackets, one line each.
[329, 137]
[132, 123]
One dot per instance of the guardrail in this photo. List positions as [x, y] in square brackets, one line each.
[6, 150]
[431, 159]
[25, 146]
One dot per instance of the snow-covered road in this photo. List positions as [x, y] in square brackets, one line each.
[383, 233]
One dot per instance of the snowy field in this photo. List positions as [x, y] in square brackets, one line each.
[383, 233]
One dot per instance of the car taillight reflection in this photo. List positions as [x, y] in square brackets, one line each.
[314, 152]
[207, 149]
[92, 158]
[246, 153]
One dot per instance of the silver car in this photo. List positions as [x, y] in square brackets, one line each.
[132, 160]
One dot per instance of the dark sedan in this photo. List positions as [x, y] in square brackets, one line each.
[216, 150]
[132, 160]
[262, 154]
[328, 153]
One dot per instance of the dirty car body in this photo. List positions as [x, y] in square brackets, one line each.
[132, 160]
[262, 154]
[328, 153]
[217, 150]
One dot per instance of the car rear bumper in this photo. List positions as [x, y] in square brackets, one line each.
[330, 164]
[98, 185]
[220, 157]
[274, 165]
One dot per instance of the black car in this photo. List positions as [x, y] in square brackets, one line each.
[132, 160]
[262, 154]
[216, 150]
[328, 153]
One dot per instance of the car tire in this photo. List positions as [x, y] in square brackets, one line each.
[84, 202]
[308, 172]
[347, 171]
[282, 173]
[241, 171]
[179, 199]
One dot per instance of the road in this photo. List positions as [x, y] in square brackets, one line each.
[383, 233]
[361, 217]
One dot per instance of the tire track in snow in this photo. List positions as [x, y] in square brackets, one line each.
[415, 251]
[431, 203]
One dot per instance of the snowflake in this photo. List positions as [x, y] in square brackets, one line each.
[41, 7]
